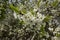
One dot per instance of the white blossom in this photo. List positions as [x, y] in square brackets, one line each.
[51, 29]
[15, 15]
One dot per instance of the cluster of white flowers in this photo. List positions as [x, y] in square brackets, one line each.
[29, 17]
[31, 20]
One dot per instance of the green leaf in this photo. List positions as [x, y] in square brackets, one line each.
[55, 3]
[16, 9]
[58, 35]
[23, 11]
[21, 22]
[31, 10]
[42, 29]
[47, 18]
[38, 3]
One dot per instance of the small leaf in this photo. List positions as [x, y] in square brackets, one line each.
[14, 8]
[47, 18]
[58, 35]
[55, 3]
[42, 30]
[21, 22]
[23, 11]
[31, 10]
[38, 3]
